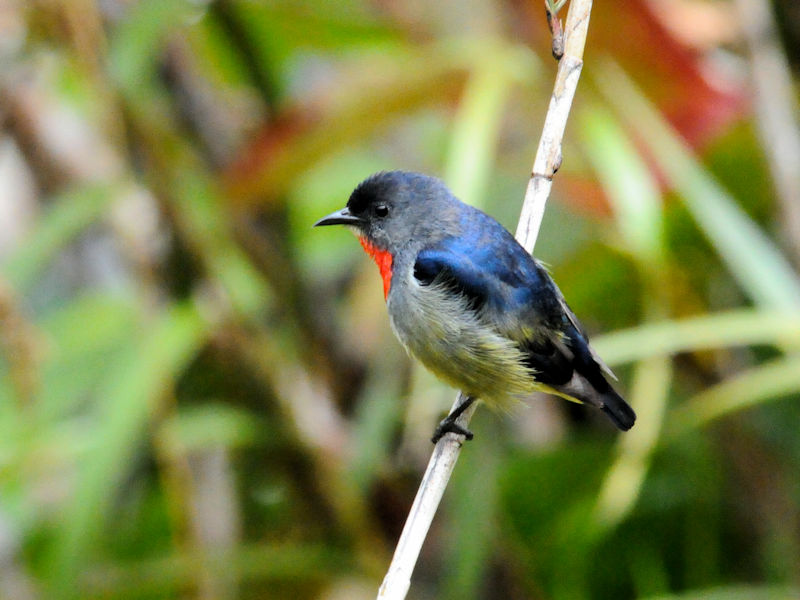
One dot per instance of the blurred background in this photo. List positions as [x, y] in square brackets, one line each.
[201, 397]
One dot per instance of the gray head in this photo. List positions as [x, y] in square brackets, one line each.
[392, 208]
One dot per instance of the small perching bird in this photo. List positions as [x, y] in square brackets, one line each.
[469, 302]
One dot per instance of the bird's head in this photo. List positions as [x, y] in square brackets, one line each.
[391, 208]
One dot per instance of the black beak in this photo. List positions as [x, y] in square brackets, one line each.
[340, 217]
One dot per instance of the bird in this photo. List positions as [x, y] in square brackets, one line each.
[470, 303]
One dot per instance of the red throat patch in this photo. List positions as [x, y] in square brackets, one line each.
[383, 259]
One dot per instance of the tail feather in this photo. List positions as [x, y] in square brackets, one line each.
[571, 368]
[619, 411]
[606, 399]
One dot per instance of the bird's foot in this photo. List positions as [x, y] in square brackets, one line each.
[449, 425]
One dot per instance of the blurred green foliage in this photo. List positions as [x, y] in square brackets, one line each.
[200, 396]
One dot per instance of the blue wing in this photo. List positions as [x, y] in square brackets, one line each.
[510, 291]
[488, 265]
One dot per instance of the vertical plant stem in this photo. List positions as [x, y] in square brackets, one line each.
[397, 582]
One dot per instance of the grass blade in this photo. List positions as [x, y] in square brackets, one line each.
[70, 214]
[761, 270]
[127, 401]
[749, 388]
[742, 327]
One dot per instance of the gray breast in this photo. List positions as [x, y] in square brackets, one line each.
[438, 328]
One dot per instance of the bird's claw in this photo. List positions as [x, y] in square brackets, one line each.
[449, 425]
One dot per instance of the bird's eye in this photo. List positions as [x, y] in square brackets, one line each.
[381, 210]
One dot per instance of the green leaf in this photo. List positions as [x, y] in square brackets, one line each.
[630, 187]
[132, 392]
[137, 42]
[85, 336]
[748, 388]
[209, 425]
[733, 328]
[477, 121]
[206, 223]
[71, 213]
[625, 478]
[752, 258]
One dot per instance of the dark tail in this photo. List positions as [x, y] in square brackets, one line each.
[619, 411]
[587, 383]
[600, 394]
